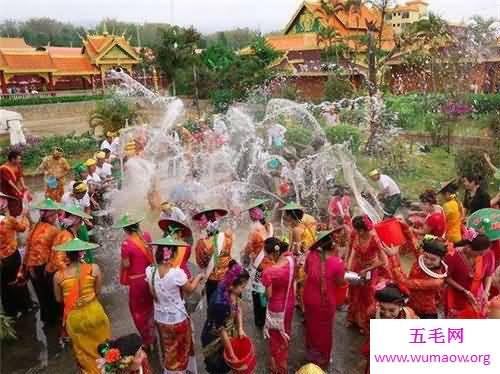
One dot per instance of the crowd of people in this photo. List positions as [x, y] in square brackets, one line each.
[315, 268]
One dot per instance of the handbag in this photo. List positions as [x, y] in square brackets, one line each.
[276, 320]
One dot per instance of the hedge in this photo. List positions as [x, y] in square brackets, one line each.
[415, 109]
[37, 148]
[344, 133]
[37, 100]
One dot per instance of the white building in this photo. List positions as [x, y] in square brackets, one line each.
[407, 13]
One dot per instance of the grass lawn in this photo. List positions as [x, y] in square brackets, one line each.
[424, 171]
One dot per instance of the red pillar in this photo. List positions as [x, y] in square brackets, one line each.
[3, 83]
[51, 86]
[92, 82]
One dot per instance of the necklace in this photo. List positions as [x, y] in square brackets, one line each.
[429, 272]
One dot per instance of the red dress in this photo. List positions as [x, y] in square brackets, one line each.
[425, 291]
[9, 173]
[362, 297]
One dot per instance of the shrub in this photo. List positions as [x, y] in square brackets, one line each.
[338, 87]
[221, 99]
[298, 136]
[290, 92]
[113, 114]
[36, 100]
[344, 133]
[471, 161]
[37, 148]
[485, 103]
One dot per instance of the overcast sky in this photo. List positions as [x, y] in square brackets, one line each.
[206, 15]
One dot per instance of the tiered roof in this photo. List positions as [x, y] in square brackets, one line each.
[17, 57]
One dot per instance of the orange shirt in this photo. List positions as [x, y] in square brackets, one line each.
[58, 260]
[9, 228]
[256, 239]
[205, 249]
[39, 244]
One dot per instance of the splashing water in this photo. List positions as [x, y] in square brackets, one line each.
[244, 157]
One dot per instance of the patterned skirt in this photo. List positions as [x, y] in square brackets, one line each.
[177, 345]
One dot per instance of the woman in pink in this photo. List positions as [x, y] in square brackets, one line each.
[324, 274]
[278, 281]
[339, 206]
[136, 257]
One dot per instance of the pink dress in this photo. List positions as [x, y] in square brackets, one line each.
[140, 299]
[277, 277]
[320, 305]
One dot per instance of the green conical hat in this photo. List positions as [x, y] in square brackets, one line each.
[127, 220]
[254, 203]
[80, 168]
[322, 238]
[170, 242]
[48, 204]
[75, 210]
[487, 222]
[292, 206]
[75, 245]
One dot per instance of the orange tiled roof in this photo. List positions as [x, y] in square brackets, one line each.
[63, 51]
[73, 65]
[405, 8]
[293, 42]
[13, 43]
[27, 61]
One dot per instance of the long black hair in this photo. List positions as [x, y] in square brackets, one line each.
[74, 256]
[132, 228]
[275, 246]
[295, 214]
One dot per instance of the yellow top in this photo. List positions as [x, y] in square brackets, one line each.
[87, 289]
[453, 213]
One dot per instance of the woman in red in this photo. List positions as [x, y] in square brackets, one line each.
[426, 278]
[278, 281]
[12, 182]
[370, 262]
[324, 273]
[470, 275]
[435, 220]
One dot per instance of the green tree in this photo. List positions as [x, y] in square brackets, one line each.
[176, 51]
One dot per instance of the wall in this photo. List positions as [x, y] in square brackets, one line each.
[67, 118]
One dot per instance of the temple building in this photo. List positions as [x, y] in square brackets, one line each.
[25, 69]
[301, 45]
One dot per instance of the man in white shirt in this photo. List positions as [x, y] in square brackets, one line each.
[78, 196]
[111, 142]
[93, 177]
[390, 194]
[103, 168]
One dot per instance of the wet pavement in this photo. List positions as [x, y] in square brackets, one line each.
[22, 356]
[27, 355]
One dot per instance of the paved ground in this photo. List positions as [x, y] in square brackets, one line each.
[24, 355]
